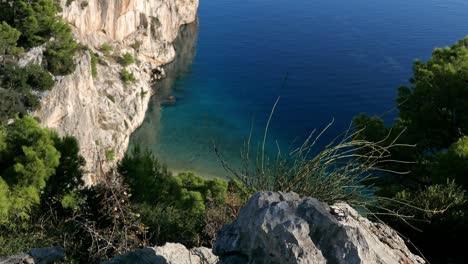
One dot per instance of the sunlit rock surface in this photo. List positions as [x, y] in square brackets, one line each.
[285, 228]
[170, 253]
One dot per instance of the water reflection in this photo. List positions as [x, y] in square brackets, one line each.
[148, 135]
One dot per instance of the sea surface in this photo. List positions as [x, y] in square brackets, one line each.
[325, 59]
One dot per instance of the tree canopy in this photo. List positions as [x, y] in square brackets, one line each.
[435, 106]
[433, 117]
[27, 24]
[18, 86]
[27, 159]
[9, 39]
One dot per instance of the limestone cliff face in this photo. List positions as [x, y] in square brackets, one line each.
[153, 24]
[102, 112]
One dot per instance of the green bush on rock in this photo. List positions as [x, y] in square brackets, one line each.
[127, 77]
[126, 60]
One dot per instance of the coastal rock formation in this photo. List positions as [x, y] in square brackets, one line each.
[149, 25]
[170, 253]
[101, 111]
[285, 228]
[36, 256]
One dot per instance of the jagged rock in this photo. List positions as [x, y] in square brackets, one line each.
[36, 256]
[33, 55]
[158, 73]
[149, 26]
[170, 253]
[285, 228]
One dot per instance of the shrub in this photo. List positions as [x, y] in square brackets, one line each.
[126, 60]
[106, 49]
[38, 79]
[94, 61]
[127, 77]
[60, 51]
[106, 223]
[110, 154]
[11, 104]
[17, 86]
[21, 240]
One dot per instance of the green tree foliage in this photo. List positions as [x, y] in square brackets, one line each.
[43, 201]
[434, 117]
[26, 24]
[452, 164]
[37, 23]
[37, 78]
[69, 173]
[11, 103]
[173, 207]
[434, 107]
[21, 15]
[59, 52]
[27, 159]
[31, 77]
[17, 86]
[8, 38]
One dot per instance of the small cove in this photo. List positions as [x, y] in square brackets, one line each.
[341, 58]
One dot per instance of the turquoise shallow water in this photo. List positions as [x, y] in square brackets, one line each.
[341, 58]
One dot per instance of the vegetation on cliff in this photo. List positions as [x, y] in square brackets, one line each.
[25, 25]
[28, 24]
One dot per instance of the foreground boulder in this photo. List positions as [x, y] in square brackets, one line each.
[285, 228]
[170, 253]
[36, 256]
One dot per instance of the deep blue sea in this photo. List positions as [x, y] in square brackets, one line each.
[341, 58]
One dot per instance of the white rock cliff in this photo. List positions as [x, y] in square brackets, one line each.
[102, 112]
